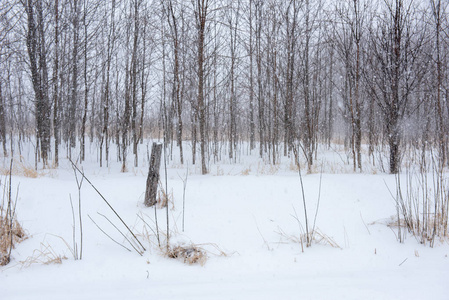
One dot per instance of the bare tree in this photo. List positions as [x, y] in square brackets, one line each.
[259, 61]
[74, 70]
[201, 10]
[252, 133]
[56, 120]
[396, 45]
[38, 66]
[176, 90]
[438, 10]
[104, 139]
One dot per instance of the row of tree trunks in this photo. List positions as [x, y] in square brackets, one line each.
[272, 73]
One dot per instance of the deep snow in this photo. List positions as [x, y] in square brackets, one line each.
[249, 217]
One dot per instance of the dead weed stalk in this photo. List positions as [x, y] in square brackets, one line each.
[163, 198]
[319, 238]
[11, 232]
[44, 255]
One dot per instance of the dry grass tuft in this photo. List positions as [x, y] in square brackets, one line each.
[293, 166]
[163, 199]
[322, 238]
[45, 255]
[423, 235]
[245, 172]
[188, 254]
[20, 169]
[264, 169]
[318, 237]
[178, 247]
[9, 236]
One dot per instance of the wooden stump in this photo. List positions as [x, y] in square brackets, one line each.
[153, 175]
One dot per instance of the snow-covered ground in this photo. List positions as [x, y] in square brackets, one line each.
[246, 210]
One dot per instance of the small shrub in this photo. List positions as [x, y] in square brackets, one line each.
[422, 203]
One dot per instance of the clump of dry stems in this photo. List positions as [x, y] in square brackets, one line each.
[163, 198]
[318, 238]
[20, 169]
[422, 202]
[191, 254]
[45, 255]
[188, 253]
[245, 172]
[11, 232]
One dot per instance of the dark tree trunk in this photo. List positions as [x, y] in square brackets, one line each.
[39, 76]
[201, 14]
[74, 91]
[153, 175]
[56, 121]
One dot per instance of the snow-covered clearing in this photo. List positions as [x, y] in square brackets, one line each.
[248, 210]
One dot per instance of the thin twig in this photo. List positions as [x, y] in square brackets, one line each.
[10, 211]
[305, 207]
[301, 229]
[126, 238]
[166, 196]
[104, 199]
[157, 227]
[15, 202]
[75, 254]
[108, 235]
[263, 238]
[403, 262]
[79, 183]
[146, 224]
[184, 185]
[318, 203]
[364, 223]
[63, 240]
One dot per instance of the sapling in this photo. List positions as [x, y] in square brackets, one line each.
[309, 235]
[166, 189]
[184, 186]
[79, 184]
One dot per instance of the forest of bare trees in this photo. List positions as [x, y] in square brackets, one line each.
[274, 77]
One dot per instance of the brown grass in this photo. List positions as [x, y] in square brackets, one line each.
[45, 255]
[318, 238]
[6, 230]
[163, 199]
[416, 228]
[264, 169]
[245, 172]
[188, 254]
[20, 169]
